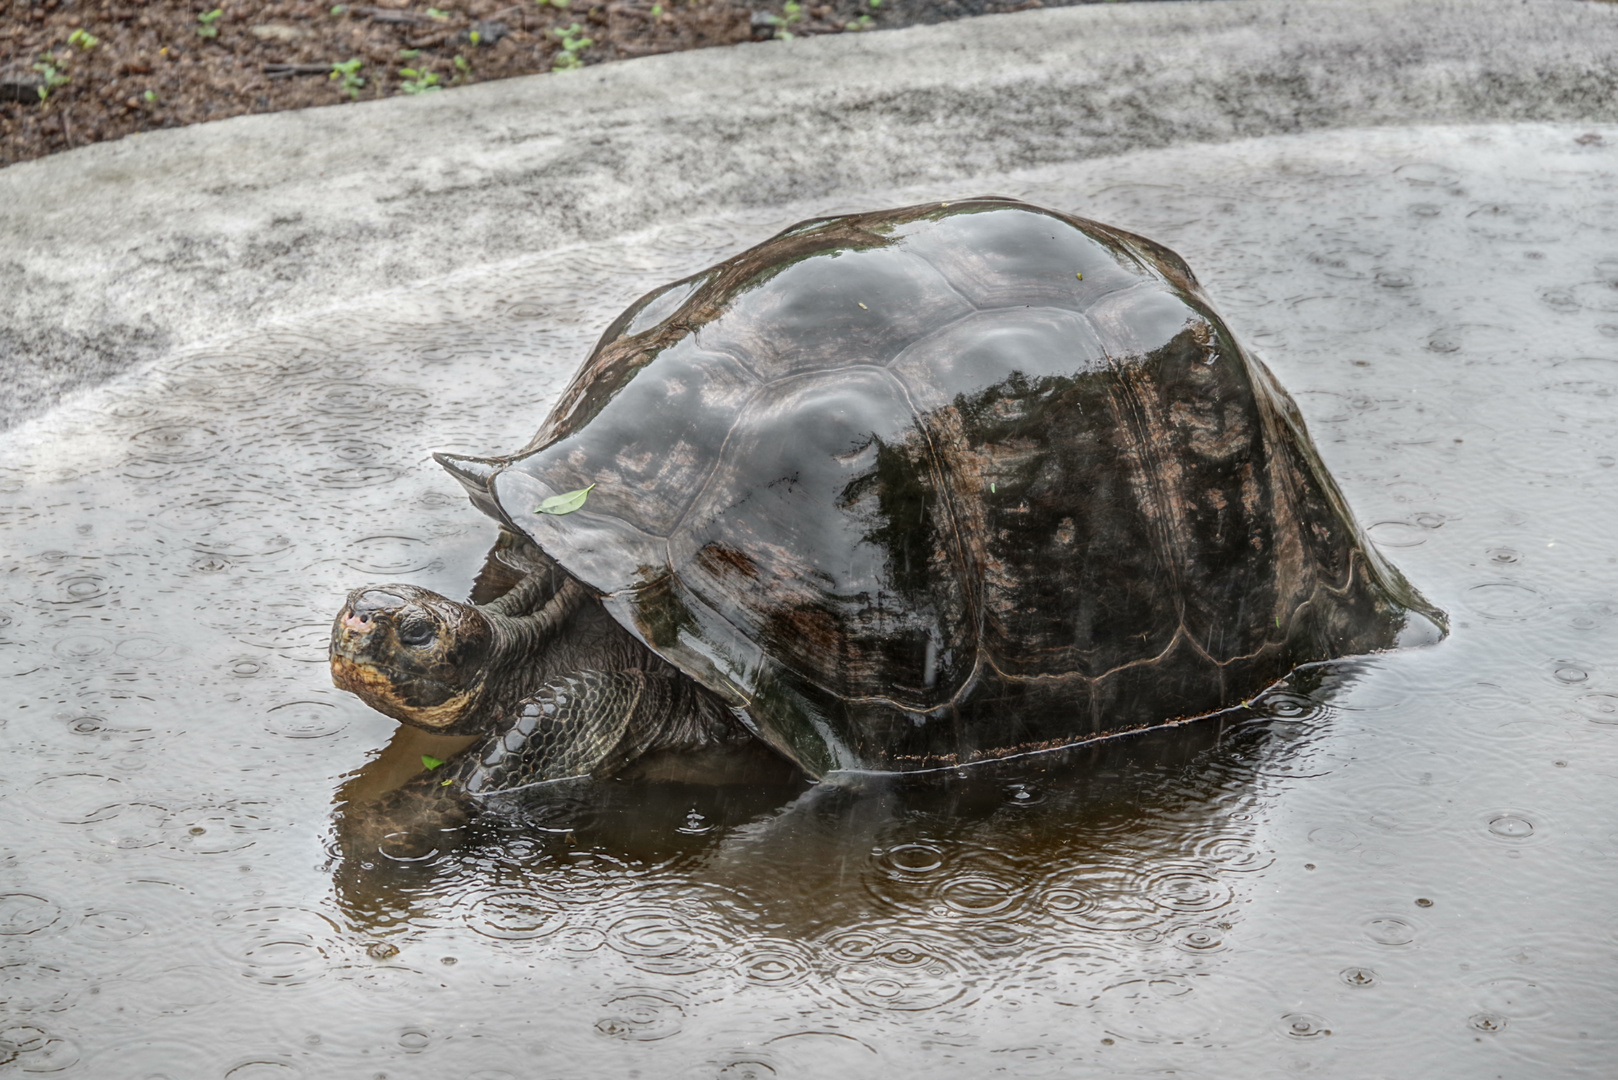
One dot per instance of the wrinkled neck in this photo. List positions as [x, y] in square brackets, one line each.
[528, 595]
[520, 630]
[517, 639]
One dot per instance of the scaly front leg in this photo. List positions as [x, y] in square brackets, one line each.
[594, 723]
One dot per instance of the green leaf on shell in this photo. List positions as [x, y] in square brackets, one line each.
[431, 762]
[564, 504]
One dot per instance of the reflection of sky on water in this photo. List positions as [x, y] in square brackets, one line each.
[1406, 871]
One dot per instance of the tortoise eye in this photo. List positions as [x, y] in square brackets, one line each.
[416, 633]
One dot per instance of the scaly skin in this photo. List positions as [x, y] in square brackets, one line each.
[595, 723]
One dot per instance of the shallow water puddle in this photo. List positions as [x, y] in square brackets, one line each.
[1402, 867]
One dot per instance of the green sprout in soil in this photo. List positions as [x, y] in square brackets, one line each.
[409, 54]
[53, 75]
[657, 11]
[554, 3]
[463, 67]
[863, 22]
[417, 81]
[206, 23]
[339, 10]
[349, 72]
[83, 39]
[436, 15]
[151, 97]
[794, 13]
[568, 58]
[564, 504]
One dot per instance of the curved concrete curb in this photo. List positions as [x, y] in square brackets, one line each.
[116, 253]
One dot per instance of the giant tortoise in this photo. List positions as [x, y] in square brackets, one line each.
[891, 491]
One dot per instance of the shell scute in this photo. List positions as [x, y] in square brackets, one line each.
[1000, 256]
[837, 555]
[652, 446]
[839, 306]
[1141, 319]
[987, 349]
[1066, 575]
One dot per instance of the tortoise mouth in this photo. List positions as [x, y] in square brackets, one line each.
[420, 701]
[366, 672]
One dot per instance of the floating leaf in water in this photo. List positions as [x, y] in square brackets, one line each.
[431, 762]
[564, 504]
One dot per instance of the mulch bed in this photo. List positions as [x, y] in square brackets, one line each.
[74, 72]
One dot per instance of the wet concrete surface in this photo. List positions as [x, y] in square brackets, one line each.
[1399, 866]
[119, 253]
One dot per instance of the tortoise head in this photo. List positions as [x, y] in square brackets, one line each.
[414, 655]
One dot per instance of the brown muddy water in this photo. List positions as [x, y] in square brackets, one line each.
[1400, 867]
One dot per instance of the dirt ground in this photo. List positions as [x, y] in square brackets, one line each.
[74, 72]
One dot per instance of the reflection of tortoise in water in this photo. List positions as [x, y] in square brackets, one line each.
[892, 491]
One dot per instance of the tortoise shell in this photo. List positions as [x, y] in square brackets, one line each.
[921, 487]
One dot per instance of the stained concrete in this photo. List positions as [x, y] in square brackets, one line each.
[117, 253]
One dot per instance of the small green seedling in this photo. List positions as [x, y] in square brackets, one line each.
[463, 67]
[863, 22]
[564, 504]
[568, 58]
[409, 54]
[349, 72]
[794, 13]
[206, 23]
[431, 762]
[151, 97]
[339, 10]
[83, 39]
[417, 81]
[53, 75]
[657, 11]
[554, 3]
[436, 15]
